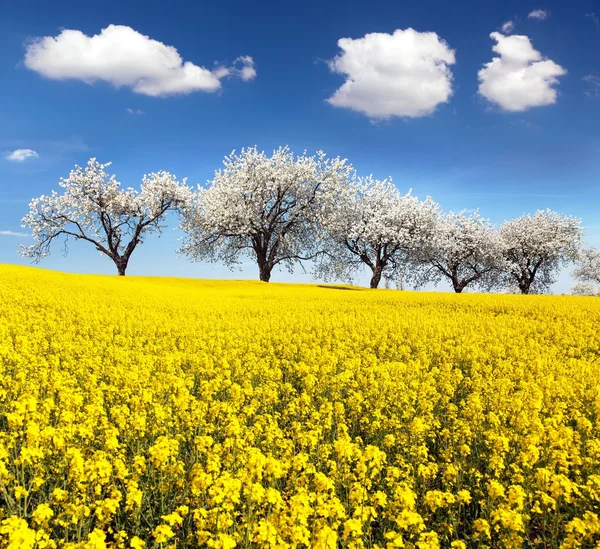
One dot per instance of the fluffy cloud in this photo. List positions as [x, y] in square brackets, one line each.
[122, 56]
[508, 27]
[520, 78]
[402, 74]
[21, 155]
[539, 14]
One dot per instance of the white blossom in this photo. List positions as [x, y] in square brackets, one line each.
[463, 248]
[368, 222]
[585, 289]
[588, 266]
[262, 206]
[534, 247]
[94, 208]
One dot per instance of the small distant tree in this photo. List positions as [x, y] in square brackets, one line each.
[369, 223]
[463, 249]
[535, 247]
[585, 289]
[93, 207]
[263, 206]
[588, 266]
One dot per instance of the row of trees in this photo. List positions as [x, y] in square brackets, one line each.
[285, 209]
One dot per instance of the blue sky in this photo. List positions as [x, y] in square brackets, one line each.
[469, 152]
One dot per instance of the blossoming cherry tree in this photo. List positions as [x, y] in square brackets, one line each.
[94, 208]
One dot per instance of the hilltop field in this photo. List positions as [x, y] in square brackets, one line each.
[163, 413]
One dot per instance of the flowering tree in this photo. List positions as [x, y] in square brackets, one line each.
[94, 208]
[585, 289]
[534, 247]
[265, 206]
[368, 222]
[588, 266]
[463, 249]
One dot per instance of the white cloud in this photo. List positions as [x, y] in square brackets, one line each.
[135, 111]
[243, 67]
[540, 15]
[402, 74]
[520, 78]
[593, 83]
[12, 233]
[508, 27]
[122, 56]
[21, 155]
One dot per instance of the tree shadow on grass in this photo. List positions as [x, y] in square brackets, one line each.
[337, 287]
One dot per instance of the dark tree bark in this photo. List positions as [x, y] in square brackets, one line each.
[264, 272]
[376, 278]
[458, 285]
[526, 274]
[121, 263]
[384, 256]
[524, 286]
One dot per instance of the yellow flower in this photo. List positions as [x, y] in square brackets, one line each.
[173, 519]
[163, 533]
[482, 527]
[136, 543]
[223, 541]
[42, 513]
[200, 413]
[96, 540]
[20, 492]
[352, 528]
[464, 496]
[17, 534]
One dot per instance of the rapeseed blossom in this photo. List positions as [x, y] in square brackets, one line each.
[156, 413]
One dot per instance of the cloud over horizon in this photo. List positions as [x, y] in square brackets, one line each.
[404, 74]
[520, 77]
[20, 155]
[123, 57]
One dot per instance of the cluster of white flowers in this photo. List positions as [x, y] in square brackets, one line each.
[462, 248]
[94, 208]
[269, 206]
[587, 273]
[585, 289]
[284, 209]
[368, 222]
[535, 246]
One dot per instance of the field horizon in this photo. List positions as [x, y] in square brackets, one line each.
[5, 267]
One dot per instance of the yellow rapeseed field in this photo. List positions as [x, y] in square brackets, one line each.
[156, 413]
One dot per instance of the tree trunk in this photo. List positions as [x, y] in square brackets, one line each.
[525, 284]
[121, 264]
[458, 285]
[264, 271]
[376, 278]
